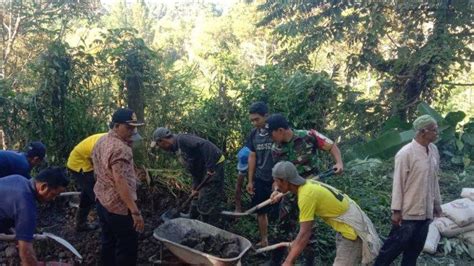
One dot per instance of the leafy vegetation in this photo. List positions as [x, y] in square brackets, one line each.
[358, 72]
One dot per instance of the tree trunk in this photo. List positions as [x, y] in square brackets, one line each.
[135, 100]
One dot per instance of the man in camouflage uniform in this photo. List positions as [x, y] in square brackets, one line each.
[299, 147]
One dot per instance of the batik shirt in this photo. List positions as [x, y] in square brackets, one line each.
[301, 150]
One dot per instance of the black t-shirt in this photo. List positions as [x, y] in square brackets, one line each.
[261, 142]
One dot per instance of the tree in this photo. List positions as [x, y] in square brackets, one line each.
[413, 46]
[51, 18]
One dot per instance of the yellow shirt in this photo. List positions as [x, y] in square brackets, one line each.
[80, 157]
[318, 199]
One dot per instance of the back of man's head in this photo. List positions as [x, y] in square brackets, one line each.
[36, 149]
[258, 108]
[277, 121]
[54, 177]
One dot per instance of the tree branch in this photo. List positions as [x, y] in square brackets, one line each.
[457, 84]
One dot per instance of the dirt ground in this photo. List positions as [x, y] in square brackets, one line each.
[58, 218]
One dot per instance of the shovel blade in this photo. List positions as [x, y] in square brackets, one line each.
[169, 215]
[64, 243]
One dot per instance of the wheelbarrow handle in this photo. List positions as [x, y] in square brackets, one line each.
[10, 237]
[70, 193]
[272, 247]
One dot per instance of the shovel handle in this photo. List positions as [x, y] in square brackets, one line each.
[272, 247]
[322, 176]
[197, 190]
[258, 206]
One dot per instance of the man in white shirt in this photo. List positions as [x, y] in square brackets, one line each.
[415, 195]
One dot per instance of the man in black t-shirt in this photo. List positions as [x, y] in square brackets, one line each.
[202, 159]
[260, 165]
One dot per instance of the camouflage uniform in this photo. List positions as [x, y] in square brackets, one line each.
[301, 150]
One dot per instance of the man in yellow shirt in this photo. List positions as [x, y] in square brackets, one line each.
[80, 165]
[356, 240]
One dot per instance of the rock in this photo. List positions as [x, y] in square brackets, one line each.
[11, 252]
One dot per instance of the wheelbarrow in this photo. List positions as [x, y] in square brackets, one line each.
[172, 233]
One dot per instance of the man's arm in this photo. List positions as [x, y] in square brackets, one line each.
[125, 195]
[336, 155]
[399, 175]
[27, 253]
[437, 195]
[299, 243]
[324, 143]
[252, 162]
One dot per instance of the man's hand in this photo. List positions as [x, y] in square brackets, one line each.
[194, 192]
[276, 196]
[250, 188]
[27, 253]
[338, 168]
[138, 222]
[437, 211]
[210, 173]
[397, 218]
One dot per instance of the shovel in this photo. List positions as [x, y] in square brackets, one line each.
[45, 236]
[272, 247]
[322, 177]
[174, 212]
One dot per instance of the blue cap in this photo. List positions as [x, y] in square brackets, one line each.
[243, 157]
[36, 148]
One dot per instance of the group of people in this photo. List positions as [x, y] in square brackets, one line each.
[281, 163]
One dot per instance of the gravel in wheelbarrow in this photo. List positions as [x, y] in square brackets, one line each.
[196, 242]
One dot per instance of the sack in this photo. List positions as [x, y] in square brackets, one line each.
[448, 228]
[432, 240]
[468, 193]
[468, 239]
[461, 211]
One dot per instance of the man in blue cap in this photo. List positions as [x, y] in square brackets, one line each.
[21, 163]
[242, 167]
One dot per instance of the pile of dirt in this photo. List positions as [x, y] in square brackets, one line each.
[57, 217]
[218, 245]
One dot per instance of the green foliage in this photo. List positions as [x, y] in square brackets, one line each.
[305, 98]
[413, 53]
[350, 71]
[453, 144]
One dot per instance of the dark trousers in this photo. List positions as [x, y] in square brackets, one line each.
[409, 239]
[119, 238]
[86, 182]
[211, 196]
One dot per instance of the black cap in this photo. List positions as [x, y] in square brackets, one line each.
[53, 176]
[126, 116]
[36, 149]
[276, 121]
